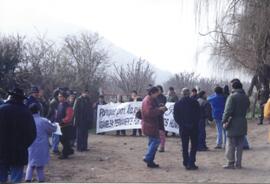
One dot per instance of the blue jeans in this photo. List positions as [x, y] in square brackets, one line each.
[152, 149]
[55, 142]
[16, 173]
[221, 133]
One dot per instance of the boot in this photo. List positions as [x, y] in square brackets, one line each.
[229, 166]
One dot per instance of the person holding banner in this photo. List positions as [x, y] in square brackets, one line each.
[187, 116]
[150, 125]
[120, 132]
[83, 117]
[135, 98]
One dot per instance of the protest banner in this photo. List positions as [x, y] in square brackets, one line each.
[121, 116]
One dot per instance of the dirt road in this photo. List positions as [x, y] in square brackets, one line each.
[119, 159]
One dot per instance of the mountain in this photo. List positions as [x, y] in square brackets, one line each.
[120, 56]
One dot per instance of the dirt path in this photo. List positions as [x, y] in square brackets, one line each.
[119, 159]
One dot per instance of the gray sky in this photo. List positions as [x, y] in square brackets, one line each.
[160, 31]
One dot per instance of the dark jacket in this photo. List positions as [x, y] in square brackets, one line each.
[172, 97]
[205, 109]
[187, 113]
[83, 112]
[17, 133]
[161, 101]
[150, 117]
[235, 111]
[52, 109]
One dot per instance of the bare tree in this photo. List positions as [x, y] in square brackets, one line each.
[135, 76]
[241, 34]
[11, 48]
[87, 56]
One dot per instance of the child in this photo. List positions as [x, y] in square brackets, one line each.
[38, 152]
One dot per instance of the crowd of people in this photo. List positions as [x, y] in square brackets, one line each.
[191, 112]
[29, 122]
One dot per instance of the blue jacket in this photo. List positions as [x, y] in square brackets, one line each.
[218, 105]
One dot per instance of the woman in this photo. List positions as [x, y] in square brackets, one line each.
[150, 125]
[38, 152]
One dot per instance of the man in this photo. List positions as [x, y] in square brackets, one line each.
[44, 102]
[217, 102]
[187, 115]
[71, 101]
[194, 94]
[150, 125]
[17, 133]
[161, 101]
[51, 116]
[235, 122]
[172, 97]
[246, 144]
[34, 98]
[206, 114]
[135, 98]
[64, 116]
[83, 117]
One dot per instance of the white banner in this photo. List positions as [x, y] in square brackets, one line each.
[113, 117]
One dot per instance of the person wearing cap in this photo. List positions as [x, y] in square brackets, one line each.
[38, 152]
[187, 115]
[17, 133]
[235, 122]
[83, 117]
[64, 117]
[34, 98]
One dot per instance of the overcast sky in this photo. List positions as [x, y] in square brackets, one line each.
[160, 31]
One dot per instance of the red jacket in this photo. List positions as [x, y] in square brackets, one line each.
[150, 117]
